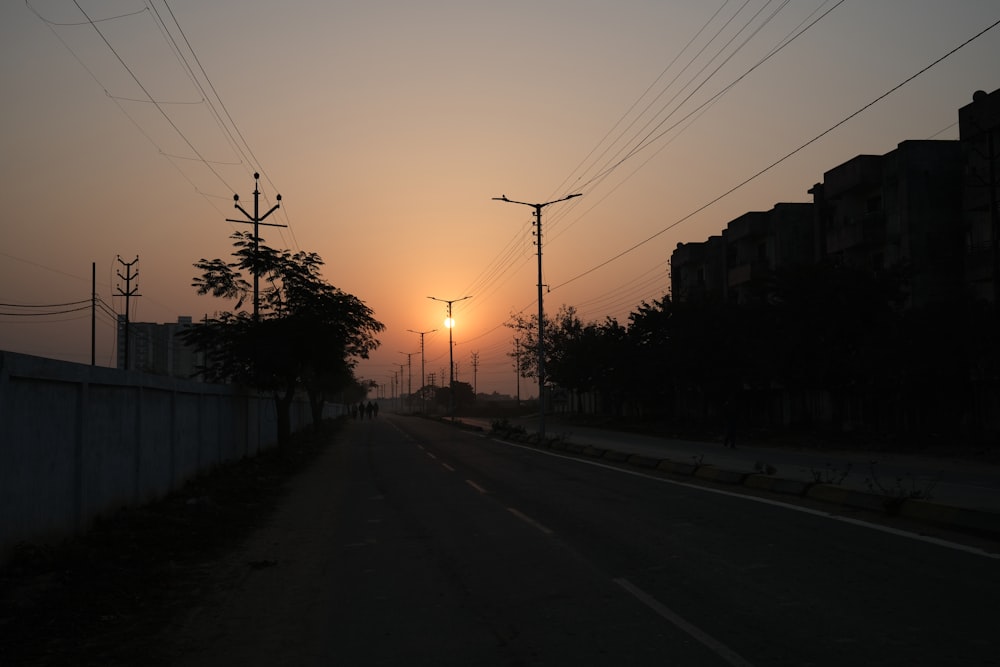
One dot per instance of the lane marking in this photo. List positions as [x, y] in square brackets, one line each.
[937, 541]
[714, 645]
[429, 455]
[476, 486]
[448, 467]
[527, 519]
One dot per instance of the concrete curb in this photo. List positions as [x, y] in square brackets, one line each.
[974, 520]
[968, 519]
[713, 474]
[791, 487]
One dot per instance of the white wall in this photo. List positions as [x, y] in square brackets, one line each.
[77, 441]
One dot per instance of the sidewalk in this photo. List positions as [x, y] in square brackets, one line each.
[925, 488]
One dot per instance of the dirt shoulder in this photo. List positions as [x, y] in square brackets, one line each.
[100, 598]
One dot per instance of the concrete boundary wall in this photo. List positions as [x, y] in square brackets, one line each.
[77, 441]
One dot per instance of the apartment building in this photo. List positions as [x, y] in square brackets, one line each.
[156, 348]
[871, 213]
[979, 133]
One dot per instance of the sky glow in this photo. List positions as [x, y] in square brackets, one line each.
[389, 128]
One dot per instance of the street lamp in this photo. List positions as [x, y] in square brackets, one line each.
[423, 382]
[541, 340]
[449, 323]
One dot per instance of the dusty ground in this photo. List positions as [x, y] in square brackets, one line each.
[99, 599]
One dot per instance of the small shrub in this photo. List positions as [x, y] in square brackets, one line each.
[901, 488]
[830, 474]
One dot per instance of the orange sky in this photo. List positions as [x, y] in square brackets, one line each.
[388, 127]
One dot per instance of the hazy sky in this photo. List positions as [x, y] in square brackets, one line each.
[389, 126]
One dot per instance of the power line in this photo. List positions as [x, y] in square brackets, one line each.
[232, 123]
[556, 229]
[146, 92]
[781, 159]
[55, 312]
[230, 131]
[43, 305]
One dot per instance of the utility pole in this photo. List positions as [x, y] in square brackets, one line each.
[256, 220]
[475, 371]
[401, 367]
[93, 313]
[128, 293]
[517, 368]
[541, 313]
[423, 381]
[409, 380]
[450, 324]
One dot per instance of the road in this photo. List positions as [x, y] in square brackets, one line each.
[413, 542]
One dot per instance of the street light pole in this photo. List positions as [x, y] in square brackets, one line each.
[423, 381]
[409, 381]
[450, 324]
[541, 312]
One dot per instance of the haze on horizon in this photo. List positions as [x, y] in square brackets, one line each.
[389, 127]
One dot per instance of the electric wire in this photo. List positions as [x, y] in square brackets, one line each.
[795, 151]
[146, 92]
[43, 305]
[225, 109]
[240, 145]
[802, 147]
[553, 221]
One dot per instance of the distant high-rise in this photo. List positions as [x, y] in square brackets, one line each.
[157, 348]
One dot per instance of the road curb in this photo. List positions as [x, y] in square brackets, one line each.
[978, 521]
[713, 474]
[968, 519]
[789, 487]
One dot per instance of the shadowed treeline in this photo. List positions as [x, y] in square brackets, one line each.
[828, 351]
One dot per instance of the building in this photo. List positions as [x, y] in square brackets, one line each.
[736, 266]
[156, 348]
[898, 210]
[698, 270]
[901, 210]
[979, 133]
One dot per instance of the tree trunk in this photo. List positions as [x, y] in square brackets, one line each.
[316, 402]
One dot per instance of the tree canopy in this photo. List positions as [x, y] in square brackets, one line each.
[309, 334]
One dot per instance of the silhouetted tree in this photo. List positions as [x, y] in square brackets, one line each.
[310, 334]
[464, 396]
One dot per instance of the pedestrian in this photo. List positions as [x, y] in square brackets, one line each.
[370, 409]
[375, 408]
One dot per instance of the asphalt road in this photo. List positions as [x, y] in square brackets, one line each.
[412, 542]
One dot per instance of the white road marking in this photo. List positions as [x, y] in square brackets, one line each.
[714, 645]
[527, 519]
[476, 486]
[775, 503]
[448, 467]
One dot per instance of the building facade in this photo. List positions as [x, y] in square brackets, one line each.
[156, 348]
[979, 133]
[735, 267]
[930, 209]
